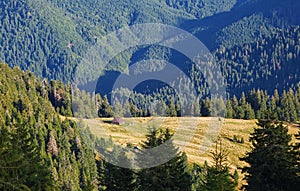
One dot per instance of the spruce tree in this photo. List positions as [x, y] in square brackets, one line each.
[297, 150]
[272, 162]
[217, 177]
[249, 112]
[170, 176]
[105, 109]
[117, 108]
[229, 109]
[172, 110]
[206, 107]
[235, 107]
[114, 178]
[22, 167]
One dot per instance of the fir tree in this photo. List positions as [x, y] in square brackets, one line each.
[114, 178]
[105, 109]
[172, 175]
[23, 167]
[272, 160]
[249, 112]
[229, 109]
[172, 110]
[217, 176]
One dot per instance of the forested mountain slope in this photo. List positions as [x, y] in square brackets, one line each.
[247, 21]
[50, 37]
[38, 150]
[268, 64]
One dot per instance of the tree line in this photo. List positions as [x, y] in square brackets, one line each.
[256, 104]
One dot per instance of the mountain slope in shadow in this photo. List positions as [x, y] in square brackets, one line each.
[276, 13]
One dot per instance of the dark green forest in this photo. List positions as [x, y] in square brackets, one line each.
[43, 43]
[255, 46]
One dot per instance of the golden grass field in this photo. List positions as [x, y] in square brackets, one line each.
[135, 129]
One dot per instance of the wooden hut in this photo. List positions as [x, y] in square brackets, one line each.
[118, 121]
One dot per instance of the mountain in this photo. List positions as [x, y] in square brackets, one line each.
[247, 21]
[50, 37]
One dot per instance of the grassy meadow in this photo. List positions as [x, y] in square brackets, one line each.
[191, 134]
[194, 128]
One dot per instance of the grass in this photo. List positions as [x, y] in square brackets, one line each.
[134, 130]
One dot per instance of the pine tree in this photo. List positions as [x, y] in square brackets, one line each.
[229, 109]
[297, 101]
[115, 178]
[117, 108]
[217, 176]
[23, 167]
[105, 109]
[197, 108]
[272, 160]
[172, 110]
[262, 112]
[161, 108]
[197, 175]
[219, 107]
[235, 107]
[178, 110]
[172, 175]
[249, 112]
[296, 148]
[254, 99]
[292, 105]
[206, 107]
[236, 178]
[241, 112]
[52, 145]
[127, 109]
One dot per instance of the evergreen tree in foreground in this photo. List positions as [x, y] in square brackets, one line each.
[217, 177]
[115, 178]
[297, 150]
[170, 176]
[21, 167]
[272, 160]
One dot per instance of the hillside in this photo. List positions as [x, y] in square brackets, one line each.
[51, 37]
[246, 22]
[38, 151]
[133, 132]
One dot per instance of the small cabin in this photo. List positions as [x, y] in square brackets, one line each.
[118, 121]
